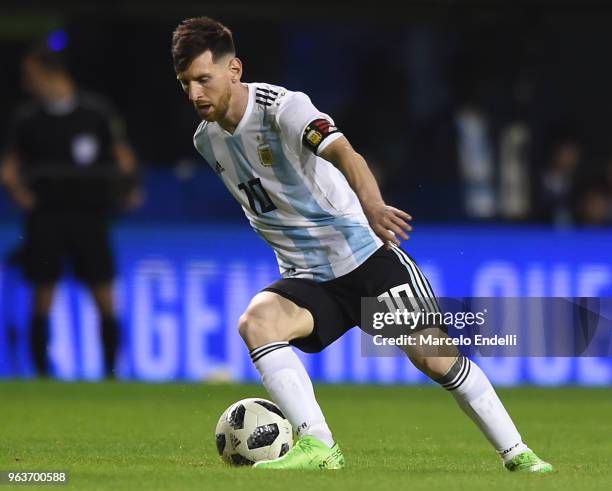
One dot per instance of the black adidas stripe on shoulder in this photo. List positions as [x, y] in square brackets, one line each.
[268, 91]
[265, 97]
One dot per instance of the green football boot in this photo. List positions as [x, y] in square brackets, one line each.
[528, 462]
[307, 453]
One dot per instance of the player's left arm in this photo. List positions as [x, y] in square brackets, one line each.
[386, 221]
[126, 160]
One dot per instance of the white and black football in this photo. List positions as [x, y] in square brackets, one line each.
[251, 430]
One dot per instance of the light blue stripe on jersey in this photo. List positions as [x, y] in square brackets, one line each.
[241, 163]
[301, 238]
[204, 146]
[357, 235]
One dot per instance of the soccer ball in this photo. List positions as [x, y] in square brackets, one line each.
[251, 430]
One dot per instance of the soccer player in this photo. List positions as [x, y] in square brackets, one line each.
[309, 195]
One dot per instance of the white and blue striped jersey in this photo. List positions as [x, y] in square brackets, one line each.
[298, 202]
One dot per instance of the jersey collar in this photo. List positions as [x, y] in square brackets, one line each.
[61, 107]
[248, 110]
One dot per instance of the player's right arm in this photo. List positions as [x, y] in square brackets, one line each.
[10, 165]
[386, 221]
[306, 127]
[10, 177]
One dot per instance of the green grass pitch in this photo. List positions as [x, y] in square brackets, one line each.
[148, 436]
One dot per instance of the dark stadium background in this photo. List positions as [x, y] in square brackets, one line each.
[394, 78]
[404, 84]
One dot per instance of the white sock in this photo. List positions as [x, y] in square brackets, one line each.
[286, 380]
[475, 395]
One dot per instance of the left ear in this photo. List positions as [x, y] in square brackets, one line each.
[235, 68]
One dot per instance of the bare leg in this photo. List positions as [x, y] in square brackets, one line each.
[271, 317]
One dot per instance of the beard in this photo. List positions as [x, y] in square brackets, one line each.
[216, 111]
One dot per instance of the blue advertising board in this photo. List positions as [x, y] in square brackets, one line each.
[182, 288]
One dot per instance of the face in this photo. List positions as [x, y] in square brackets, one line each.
[594, 207]
[209, 85]
[567, 156]
[34, 78]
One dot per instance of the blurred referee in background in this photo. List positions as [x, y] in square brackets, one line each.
[69, 167]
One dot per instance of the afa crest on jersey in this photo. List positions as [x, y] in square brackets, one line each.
[266, 156]
[314, 137]
[316, 131]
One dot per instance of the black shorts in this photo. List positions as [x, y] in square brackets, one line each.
[335, 305]
[78, 239]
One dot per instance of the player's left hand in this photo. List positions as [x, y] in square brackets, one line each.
[389, 223]
[134, 200]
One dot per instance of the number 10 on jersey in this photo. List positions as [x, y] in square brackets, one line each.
[257, 194]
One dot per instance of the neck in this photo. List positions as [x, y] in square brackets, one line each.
[237, 107]
[61, 89]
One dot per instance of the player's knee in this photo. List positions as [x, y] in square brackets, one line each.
[432, 366]
[258, 326]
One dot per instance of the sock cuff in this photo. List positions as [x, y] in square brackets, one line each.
[507, 453]
[457, 374]
[261, 351]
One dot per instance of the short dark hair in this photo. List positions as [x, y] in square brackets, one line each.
[50, 60]
[194, 36]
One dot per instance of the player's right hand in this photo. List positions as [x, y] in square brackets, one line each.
[389, 223]
[25, 200]
[134, 199]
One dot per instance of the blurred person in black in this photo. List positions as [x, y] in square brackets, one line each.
[555, 196]
[68, 166]
[594, 203]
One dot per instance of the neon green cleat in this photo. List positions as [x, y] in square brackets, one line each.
[528, 462]
[307, 453]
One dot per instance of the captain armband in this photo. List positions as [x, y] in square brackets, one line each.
[316, 132]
